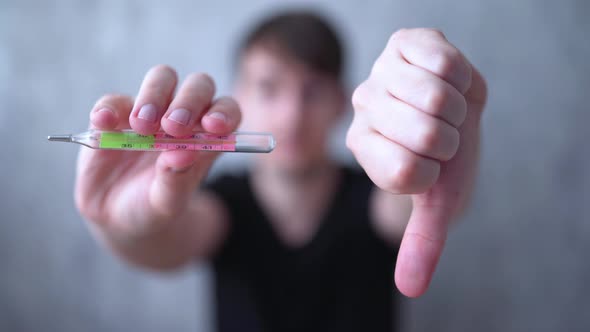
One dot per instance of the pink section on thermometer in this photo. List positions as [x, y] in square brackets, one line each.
[200, 141]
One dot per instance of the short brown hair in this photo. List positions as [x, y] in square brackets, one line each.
[304, 35]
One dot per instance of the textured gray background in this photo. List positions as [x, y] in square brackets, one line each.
[518, 262]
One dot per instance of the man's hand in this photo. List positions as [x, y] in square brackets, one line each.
[416, 131]
[131, 195]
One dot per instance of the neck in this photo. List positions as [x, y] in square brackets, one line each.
[295, 200]
[295, 180]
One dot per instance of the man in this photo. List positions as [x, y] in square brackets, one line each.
[298, 243]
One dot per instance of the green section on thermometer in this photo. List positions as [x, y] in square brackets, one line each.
[126, 140]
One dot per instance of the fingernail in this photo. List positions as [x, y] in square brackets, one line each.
[218, 116]
[180, 170]
[180, 115]
[105, 111]
[148, 112]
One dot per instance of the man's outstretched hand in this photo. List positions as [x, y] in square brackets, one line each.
[129, 193]
[416, 131]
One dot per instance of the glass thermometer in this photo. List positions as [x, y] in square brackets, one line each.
[132, 141]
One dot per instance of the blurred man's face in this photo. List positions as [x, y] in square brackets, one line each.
[281, 96]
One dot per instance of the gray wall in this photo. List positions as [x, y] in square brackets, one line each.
[517, 262]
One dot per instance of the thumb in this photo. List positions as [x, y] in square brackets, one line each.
[177, 175]
[422, 244]
[433, 211]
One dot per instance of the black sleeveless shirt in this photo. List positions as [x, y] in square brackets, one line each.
[341, 280]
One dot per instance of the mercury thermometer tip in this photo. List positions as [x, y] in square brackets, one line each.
[60, 138]
[273, 144]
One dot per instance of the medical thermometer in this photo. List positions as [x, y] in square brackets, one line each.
[131, 141]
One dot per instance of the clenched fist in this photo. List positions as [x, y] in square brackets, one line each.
[416, 131]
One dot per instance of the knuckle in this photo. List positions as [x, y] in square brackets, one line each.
[461, 111]
[204, 80]
[403, 176]
[360, 96]
[447, 62]
[156, 93]
[228, 103]
[230, 107]
[351, 140]
[454, 141]
[380, 66]
[159, 80]
[355, 135]
[436, 100]
[438, 140]
[196, 93]
[429, 137]
[200, 100]
[434, 32]
[450, 64]
[398, 35]
[413, 175]
[164, 69]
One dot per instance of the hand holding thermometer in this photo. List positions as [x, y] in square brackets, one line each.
[132, 141]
